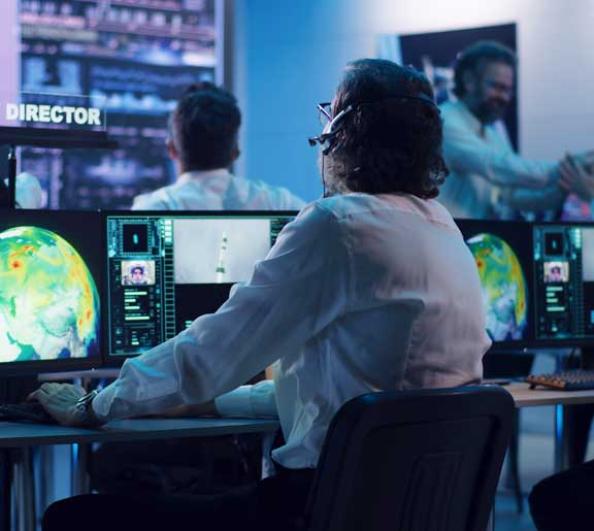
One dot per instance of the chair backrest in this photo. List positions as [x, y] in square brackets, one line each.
[425, 460]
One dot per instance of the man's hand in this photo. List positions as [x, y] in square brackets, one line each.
[61, 402]
[575, 179]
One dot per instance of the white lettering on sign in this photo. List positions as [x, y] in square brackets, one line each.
[12, 111]
[44, 113]
[54, 114]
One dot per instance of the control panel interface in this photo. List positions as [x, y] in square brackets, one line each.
[564, 281]
[165, 271]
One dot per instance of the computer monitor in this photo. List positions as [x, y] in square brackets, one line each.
[503, 254]
[165, 269]
[564, 283]
[50, 291]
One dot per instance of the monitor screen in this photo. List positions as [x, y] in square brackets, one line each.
[564, 282]
[50, 307]
[130, 58]
[503, 254]
[166, 269]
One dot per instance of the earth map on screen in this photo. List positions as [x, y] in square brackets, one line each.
[49, 304]
[503, 286]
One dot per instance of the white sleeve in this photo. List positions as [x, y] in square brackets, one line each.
[249, 401]
[466, 153]
[301, 287]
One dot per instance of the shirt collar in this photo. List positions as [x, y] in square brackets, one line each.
[204, 175]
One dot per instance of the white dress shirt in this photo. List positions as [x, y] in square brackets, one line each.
[487, 179]
[360, 293]
[217, 190]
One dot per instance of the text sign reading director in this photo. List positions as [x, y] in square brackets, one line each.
[52, 114]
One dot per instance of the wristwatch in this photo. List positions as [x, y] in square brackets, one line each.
[84, 409]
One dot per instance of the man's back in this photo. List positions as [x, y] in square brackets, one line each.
[217, 190]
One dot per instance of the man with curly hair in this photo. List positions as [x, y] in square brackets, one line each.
[488, 179]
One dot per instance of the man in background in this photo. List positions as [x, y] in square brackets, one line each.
[487, 178]
[203, 144]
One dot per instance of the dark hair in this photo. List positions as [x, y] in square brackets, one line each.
[204, 127]
[391, 140]
[476, 55]
[137, 268]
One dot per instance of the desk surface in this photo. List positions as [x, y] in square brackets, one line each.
[525, 397]
[15, 434]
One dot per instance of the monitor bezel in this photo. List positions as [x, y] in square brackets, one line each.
[27, 368]
[116, 360]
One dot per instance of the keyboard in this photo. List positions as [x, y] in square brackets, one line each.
[26, 411]
[573, 380]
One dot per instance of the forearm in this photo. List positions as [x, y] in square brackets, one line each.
[251, 401]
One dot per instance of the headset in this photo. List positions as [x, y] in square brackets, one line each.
[327, 137]
[332, 128]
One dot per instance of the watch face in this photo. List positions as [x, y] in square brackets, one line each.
[84, 411]
[84, 401]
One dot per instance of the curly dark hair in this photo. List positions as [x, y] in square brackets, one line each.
[204, 127]
[392, 139]
[477, 54]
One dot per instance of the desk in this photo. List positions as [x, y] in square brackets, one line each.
[24, 436]
[19, 435]
[525, 397]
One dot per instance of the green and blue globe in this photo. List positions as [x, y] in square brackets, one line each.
[49, 304]
[503, 286]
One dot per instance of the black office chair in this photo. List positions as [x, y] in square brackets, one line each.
[412, 461]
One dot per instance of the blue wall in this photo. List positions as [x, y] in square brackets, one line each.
[288, 57]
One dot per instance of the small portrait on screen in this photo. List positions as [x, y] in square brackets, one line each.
[556, 272]
[138, 272]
